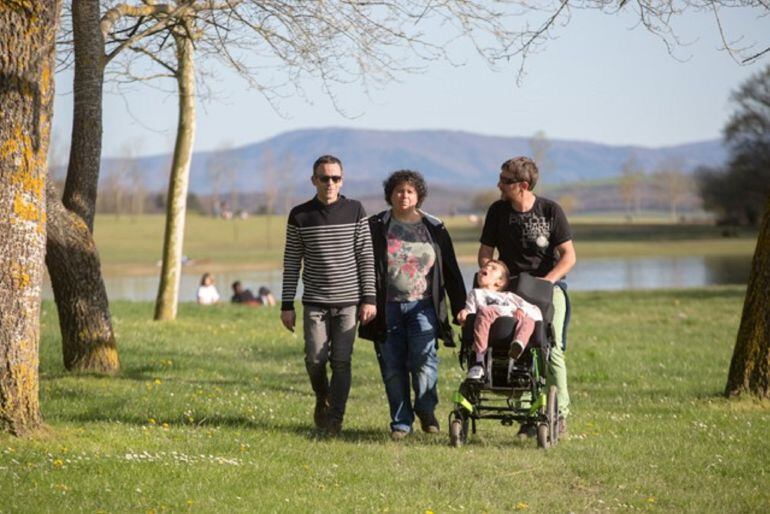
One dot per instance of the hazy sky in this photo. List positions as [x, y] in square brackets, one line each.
[602, 80]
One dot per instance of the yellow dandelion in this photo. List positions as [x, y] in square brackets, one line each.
[151, 421]
[58, 464]
[157, 381]
[189, 503]
[165, 425]
[521, 506]
[651, 499]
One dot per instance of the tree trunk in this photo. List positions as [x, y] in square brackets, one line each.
[750, 366]
[88, 340]
[171, 270]
[86, 147]
[27, 36]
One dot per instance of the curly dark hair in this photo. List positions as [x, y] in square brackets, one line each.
[413, 178]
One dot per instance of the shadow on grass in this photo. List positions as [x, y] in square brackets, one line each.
[306, 430]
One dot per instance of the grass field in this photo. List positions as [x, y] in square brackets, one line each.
[132, 245]
[213, 413]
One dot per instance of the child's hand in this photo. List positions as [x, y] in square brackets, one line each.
[519, 314]
[461, 316]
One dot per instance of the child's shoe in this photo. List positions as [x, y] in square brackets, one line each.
[476, 372]
[516, 349]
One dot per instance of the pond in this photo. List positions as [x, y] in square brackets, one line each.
[588, 275]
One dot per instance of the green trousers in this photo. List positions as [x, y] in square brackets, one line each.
[557, 369]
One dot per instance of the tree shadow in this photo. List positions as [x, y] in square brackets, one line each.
[305, 430]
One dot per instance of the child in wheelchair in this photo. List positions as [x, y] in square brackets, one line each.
[488, 302]
[508, 355]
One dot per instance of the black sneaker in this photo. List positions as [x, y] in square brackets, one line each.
[527, 430]
[333, 427]
[319, 414]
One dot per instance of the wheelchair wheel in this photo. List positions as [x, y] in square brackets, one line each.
[458, 430]
[548, 430]
[553, 415]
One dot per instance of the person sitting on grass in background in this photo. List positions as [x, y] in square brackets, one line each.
[244, 296]
[266, 297]
[207, 293]
[489, 301]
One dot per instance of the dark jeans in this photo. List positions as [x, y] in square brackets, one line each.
[409, 352]
[329, 335]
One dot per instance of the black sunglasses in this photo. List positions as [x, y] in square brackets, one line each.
[329, 178]
[508, 181]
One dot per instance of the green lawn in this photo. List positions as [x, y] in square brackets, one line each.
[133, 244]
[213, 413]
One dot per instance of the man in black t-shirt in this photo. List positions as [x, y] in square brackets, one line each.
[532, 235]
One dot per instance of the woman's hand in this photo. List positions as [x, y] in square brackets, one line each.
[367, 313]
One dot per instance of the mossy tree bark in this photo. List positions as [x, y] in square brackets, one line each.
[27, 43]
[750, 365]
[88, 339]
[171, 269]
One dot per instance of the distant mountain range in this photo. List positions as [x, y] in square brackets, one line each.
[448, 159]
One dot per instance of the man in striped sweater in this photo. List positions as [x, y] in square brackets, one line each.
[328, 238]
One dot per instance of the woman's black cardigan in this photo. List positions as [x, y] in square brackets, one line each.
[446, 278]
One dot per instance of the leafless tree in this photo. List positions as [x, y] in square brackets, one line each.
[133, 176]
[216, 169]
[631, 185]
[748, 136]
[540, 147]
[111, 199]
[286, 181]
[482, 200]
[88, 340]
[270, 185]
[673, 184]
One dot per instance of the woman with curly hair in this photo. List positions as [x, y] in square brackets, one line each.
[415, 268]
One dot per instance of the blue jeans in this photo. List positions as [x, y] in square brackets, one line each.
[409, 351]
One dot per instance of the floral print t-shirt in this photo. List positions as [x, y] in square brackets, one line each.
[410, 260]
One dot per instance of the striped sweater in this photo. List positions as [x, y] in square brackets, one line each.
[332, 246]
